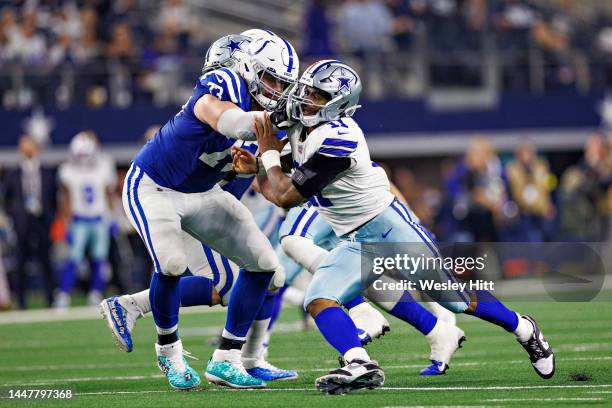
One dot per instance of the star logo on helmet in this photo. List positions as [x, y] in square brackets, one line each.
[343, 78]
[233, 46]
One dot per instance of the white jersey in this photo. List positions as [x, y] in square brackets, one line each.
[87, 184]
[359, 193]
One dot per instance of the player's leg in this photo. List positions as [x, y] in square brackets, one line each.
[481, 304]
[79, 236]
[226, 225]
[302, 234]
[203, 287]
[154, 213]
[337, 280]
[99, 244]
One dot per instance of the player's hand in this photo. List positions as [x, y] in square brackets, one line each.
[244, 162]
[266, 138]
[281, 117]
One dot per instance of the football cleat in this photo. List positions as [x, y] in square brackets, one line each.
[267, 372]
[539, 351]
[120, 314]
[225, 368]
[436, 368]
[172, 363]
[353, 376]
[444, 340]
[371, 324]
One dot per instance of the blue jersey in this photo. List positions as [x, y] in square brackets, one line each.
[190, 156]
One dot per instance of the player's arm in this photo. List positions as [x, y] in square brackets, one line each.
[306, 181]
[397, 193]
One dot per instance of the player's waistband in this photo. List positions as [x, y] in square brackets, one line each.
[87, 219]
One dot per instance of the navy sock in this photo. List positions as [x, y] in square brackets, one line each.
[97, 281]
[267, 307]
[195, 291]
[278, 304]
[165, 297]
[338, 329]
[489, 308]
[68, 276]
[247, 296]
[356, 301]
[414, 314]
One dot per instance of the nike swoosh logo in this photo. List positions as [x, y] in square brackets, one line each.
[343, 133]
[384, 234]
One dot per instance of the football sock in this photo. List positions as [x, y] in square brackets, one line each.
[354, 302]
[247, 297]
[195, 291]
[68, 276]
[167, 338]
[97, 280]
[414, 314]
[258, 332]
[524, 329]
[338, 329]
[142, 301]
[489, 308]
[278, 304]
[165, 298]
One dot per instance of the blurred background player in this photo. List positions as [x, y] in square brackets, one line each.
[87, 188]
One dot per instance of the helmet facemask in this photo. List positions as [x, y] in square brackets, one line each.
[264, 93]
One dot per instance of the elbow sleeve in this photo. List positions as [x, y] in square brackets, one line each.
[238, 124]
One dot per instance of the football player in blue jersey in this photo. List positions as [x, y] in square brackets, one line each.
[334, 165]
[172, 188]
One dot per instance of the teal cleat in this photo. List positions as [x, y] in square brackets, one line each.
[230, 372]
[172, 363]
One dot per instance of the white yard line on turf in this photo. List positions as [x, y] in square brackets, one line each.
[502, 388]
[544, 399]
[59, 367]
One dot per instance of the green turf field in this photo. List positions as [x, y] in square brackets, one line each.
[490, 370]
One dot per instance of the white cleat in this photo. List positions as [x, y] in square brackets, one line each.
[370, 323]
[444, 340]
[120, 314]
[540, 353]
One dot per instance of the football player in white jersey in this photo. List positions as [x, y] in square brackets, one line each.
[334, 168]
[87, 185]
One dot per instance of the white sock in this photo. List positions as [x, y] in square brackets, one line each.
[141, 299]
[356, 352]
[524, 330]
[253, 347]
[304, 252]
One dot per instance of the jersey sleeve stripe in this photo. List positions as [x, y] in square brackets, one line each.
[330, 141]
[334, 152]
[233, 90]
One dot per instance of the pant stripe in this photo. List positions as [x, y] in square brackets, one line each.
[297, 221]
[213, 265]
[429, 244]
[307, 225]
[144, 221]
[229, 280]
[403, 208]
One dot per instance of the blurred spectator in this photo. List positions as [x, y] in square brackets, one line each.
[529, 181]
[317, 32]
[585, 194]
[365, 28]
[29, 195]
[477, 195]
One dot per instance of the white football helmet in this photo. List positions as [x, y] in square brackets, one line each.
[339, 82]
[227, 51]
[84, 145]
[255, 33]
[272, 57]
